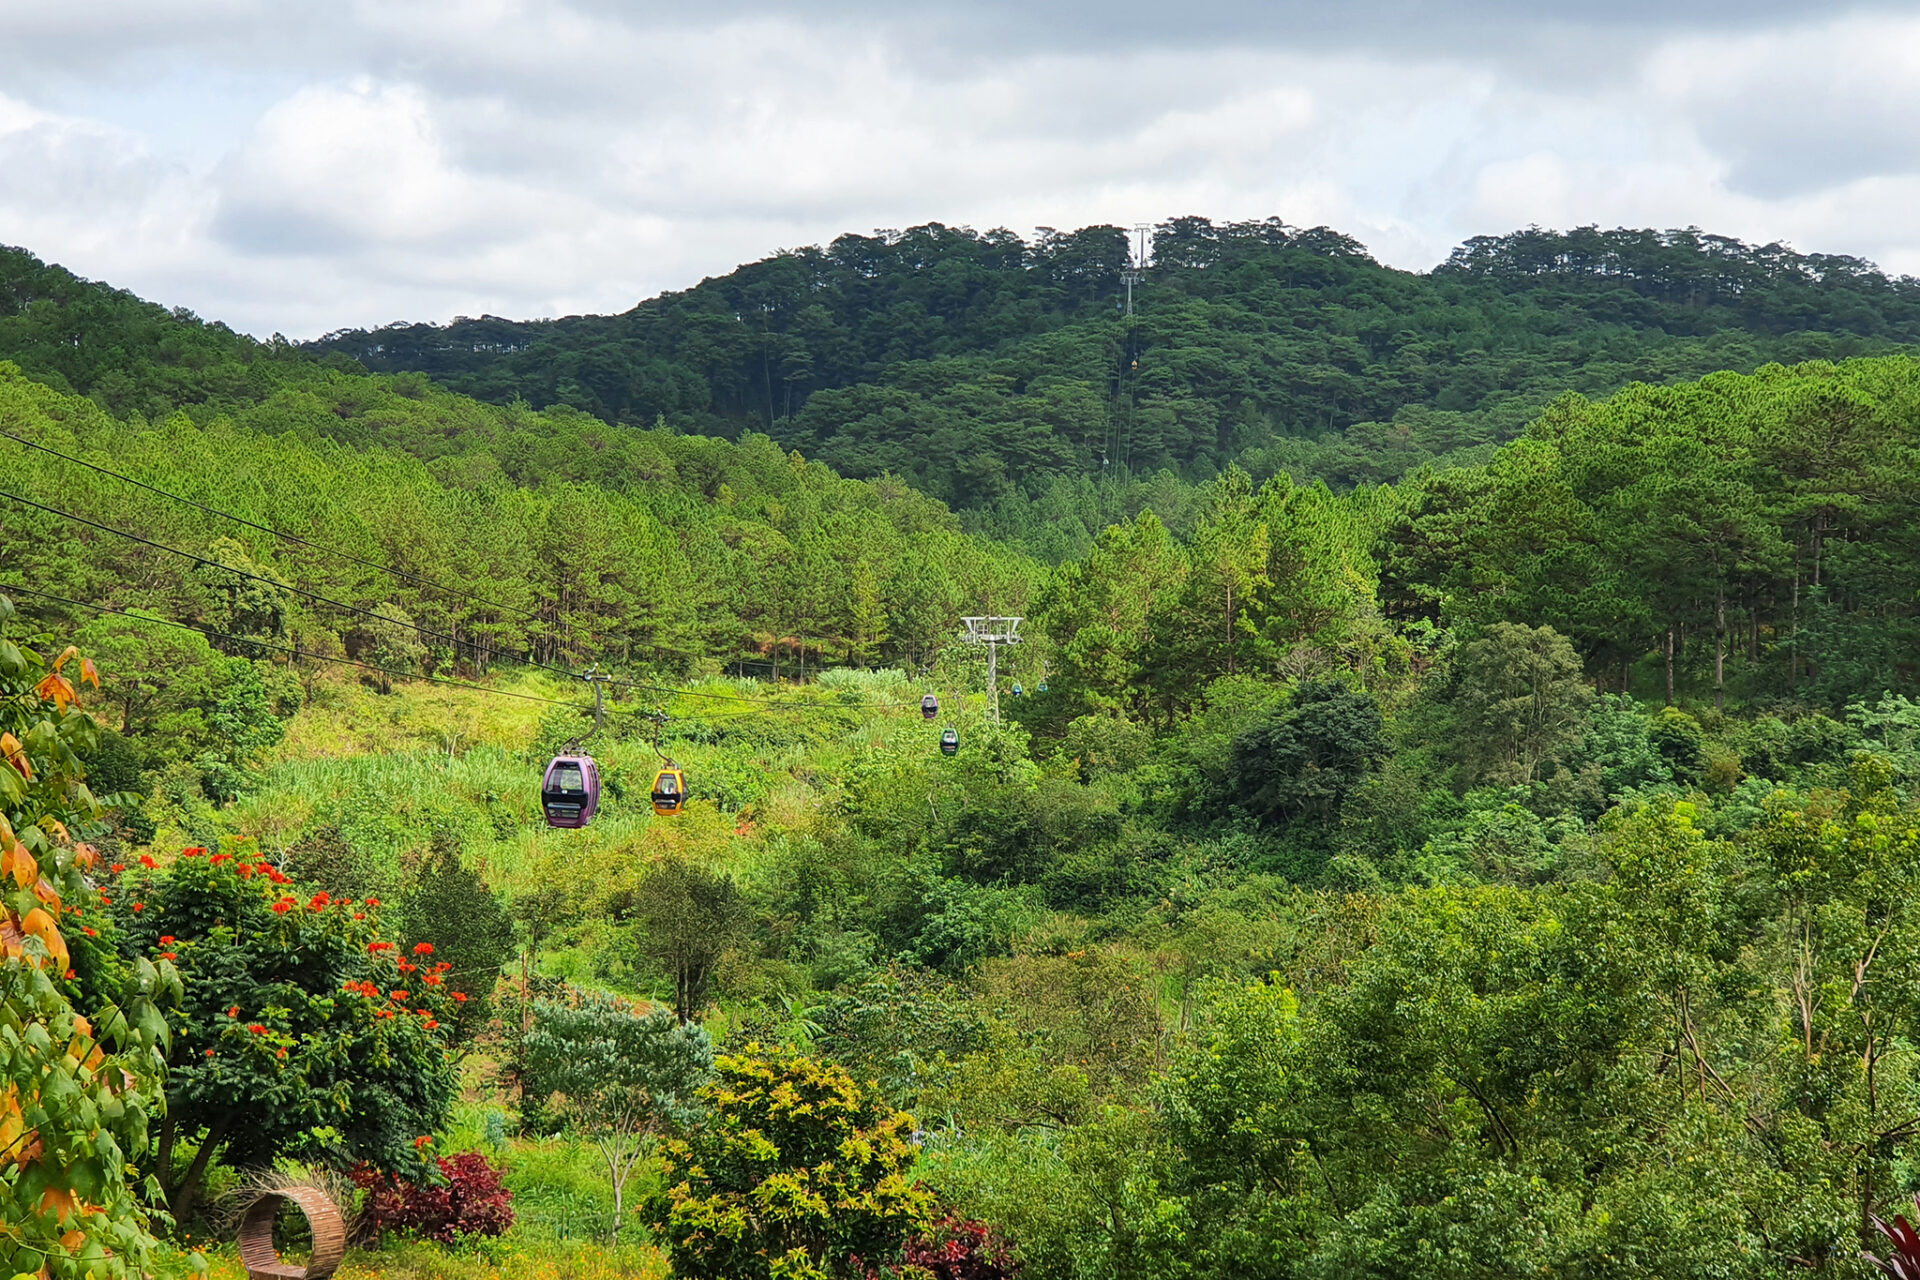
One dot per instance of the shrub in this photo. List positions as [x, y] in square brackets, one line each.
[469, 1201]
[797, 1171]
[957, 1248]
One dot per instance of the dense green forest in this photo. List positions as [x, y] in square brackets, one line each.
[1509, 870]
[984, 366]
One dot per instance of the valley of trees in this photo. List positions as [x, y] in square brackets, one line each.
[1509, 870]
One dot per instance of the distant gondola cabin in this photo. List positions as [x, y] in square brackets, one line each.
[669, 791]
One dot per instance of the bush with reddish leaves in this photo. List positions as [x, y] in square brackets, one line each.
[957, 1248]
[470, 1201]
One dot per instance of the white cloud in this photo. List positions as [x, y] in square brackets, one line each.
[300, 167]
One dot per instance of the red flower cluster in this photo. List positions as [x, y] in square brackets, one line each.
[423, 948]
[256, 1028]
[379, 946]
[281, 907]
[366, 989]
[146, 860]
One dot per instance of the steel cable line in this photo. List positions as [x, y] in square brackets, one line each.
[294, 538]
[295, 650]
[424, 631]
[286, 586]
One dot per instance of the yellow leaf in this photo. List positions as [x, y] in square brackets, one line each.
[40, 925]
[56, 1201]
[88, 673]
[16, 754]
[66, 653]
[56, 689]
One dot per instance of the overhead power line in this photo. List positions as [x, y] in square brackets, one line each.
[297, 652]
[293, 538]
[285, 586]
[362, 610]
[294, 650]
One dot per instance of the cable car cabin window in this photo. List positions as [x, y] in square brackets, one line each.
[569, 778]
[668, 787]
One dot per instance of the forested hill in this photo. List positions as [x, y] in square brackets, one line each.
[984, 366]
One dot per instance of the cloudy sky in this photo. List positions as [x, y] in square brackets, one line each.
[298, 167]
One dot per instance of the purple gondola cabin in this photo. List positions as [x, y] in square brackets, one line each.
[570, 792]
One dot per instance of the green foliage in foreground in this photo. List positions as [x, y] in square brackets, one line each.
[301, 1032]
[81, 1068]
[796, 1173]
[624, 1077]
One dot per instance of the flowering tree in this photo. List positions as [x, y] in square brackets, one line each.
[301, 1031]
[78, 1076]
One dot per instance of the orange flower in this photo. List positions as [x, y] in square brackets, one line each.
[256, 1028]
[319, 900]
[400, 995]
[373, 902]
[166, 939]
[118, 867]
[422, 1141]
[194, 851]
[432, 1025]
[138, 906]
[146, 860]
[281, 1052]
[423, 948]
[168, 955]
[233, 1011]
[460, 997]
[280, 908]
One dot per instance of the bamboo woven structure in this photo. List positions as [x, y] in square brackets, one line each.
[262, 1260]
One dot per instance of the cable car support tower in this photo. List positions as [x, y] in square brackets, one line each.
[993, 630]
[1122, 452]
